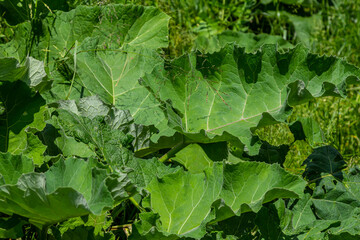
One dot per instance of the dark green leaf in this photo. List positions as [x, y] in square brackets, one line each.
[324, 160]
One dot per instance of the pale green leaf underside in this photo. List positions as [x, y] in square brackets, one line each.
[69, 189]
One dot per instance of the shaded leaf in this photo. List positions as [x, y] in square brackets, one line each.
[96, 225]
[11, 227]
[324, 160]
[308, 129]
[21, 106]
[271, 154]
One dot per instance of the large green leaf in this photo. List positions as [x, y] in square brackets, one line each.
[183, 200]
[145, 170]
[21, 117]
[107, 63]
[10, 70]
[107, 132]
[20, 107]
[348, 229]
[114, 77]
[247, 185]
[140, 171]
[234, 92]
[324, 160]
[32, 72]
[26, 142]
[70, 188]
[89, 57]
[13, 166]
[79, 114]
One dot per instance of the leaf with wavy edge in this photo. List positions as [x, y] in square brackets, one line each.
[184, 200]
[21, 107]
[248, 185]
[31, 72]
[234, 92]
[208, 43]
[13, 166]
[70, 188]
[115, 45]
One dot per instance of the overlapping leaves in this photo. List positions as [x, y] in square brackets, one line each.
[113, 96]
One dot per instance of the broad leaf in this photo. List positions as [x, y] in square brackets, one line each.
[13, 166]
[334, 200]
[70, 188]
[247, 185]
[184, 200]
[348, 229]
[20, 105]
[105, 63]
[324, 160]
[234, 92]
[32, 73]
[10, 70]
[268, 223]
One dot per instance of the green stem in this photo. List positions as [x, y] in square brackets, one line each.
[136, 204]
[173, 151]
[73, 78]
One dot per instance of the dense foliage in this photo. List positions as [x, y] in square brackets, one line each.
[105, 134]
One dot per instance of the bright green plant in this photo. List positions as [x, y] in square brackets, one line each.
[103, 138]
